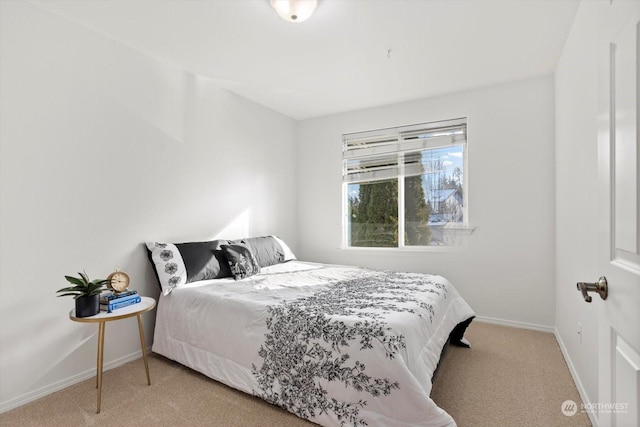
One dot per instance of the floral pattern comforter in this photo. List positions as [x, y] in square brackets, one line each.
[339, 346]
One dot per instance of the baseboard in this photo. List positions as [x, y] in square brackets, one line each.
[515, 324]
[576, 379]
[59, 385]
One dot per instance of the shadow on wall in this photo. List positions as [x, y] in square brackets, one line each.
[137, 265]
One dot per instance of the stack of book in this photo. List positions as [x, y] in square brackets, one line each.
[110, 301]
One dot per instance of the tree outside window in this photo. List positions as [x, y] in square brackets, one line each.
[405, 187]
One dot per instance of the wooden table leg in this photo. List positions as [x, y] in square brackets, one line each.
[100, 362]
[144, 349]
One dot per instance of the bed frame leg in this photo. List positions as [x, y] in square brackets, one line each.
[462, 342]
[457, 335]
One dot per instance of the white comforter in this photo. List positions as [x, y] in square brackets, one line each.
[336, 345]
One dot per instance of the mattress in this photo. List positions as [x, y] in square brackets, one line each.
[337, 345]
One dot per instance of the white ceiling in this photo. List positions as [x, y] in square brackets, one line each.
[338, 59]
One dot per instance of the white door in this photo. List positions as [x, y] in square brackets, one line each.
[618, 175]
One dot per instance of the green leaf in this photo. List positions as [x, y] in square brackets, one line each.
[74, 280]
[82, 286]
[95, 292]
[93, 286]
[69, 294]
[84, 277]
[71, 289]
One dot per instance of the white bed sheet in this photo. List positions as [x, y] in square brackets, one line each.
[220, 328]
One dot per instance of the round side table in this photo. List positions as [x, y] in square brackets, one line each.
[147, 304]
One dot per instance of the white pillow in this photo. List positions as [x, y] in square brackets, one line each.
[288, 253]
[169, 265]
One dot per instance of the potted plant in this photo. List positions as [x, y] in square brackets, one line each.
[86, 294]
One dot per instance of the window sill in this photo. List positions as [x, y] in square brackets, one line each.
[404, 249]
[460, 229]
[456, 230]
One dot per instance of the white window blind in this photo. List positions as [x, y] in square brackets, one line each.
[393, 152]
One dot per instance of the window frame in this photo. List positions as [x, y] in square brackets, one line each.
[458, 229]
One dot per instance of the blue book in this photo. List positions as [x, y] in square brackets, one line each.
[110, 296]
[120, 303]
[115, 305]
[120, 299]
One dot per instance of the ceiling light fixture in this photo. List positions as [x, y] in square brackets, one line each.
[294, 10]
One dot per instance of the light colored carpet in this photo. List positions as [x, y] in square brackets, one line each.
[510, 377]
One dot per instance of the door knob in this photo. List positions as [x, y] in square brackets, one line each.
[600, 287]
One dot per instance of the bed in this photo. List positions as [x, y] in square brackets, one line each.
[336, 345]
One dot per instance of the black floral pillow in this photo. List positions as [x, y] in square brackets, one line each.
[242, 262]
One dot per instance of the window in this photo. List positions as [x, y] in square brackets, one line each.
[405, 186]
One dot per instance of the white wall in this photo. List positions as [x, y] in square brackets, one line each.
[506, 269]
[576, 83]
[102, 148]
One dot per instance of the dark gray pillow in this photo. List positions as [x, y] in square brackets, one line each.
[204, 260]
[241, 261]
[266, 249]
